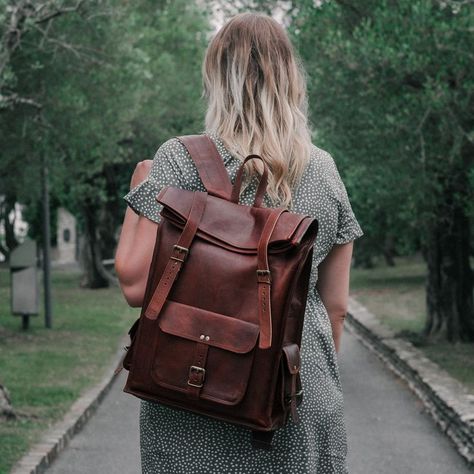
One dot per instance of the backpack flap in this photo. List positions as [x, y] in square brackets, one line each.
[239, 226]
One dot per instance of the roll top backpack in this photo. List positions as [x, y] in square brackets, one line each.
[219, 332]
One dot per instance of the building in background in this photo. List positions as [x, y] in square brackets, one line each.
[66, 250]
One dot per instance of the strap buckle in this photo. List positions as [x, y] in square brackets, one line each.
[196, 376]
[181, 252]
[263, 276]
[289, 398]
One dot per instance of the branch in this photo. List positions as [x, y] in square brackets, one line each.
[14, 28]
[455, 4]
[59, 12]
[17, 25]
[423, 120]
[6, 409]
[14, 99]
[463, 133]
[78, 50]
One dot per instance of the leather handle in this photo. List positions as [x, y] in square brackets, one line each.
[262, 186]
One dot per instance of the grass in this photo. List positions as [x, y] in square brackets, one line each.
[46, 370]
[396, 295]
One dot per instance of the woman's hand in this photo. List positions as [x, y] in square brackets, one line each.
[141, 172]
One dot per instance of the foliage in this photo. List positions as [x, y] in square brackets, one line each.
[114, 80]
[391, 92]
[93, 87]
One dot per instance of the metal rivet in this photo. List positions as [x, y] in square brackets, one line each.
[207, 338]
[202, 337]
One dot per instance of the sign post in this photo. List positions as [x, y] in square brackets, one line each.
[46, 240]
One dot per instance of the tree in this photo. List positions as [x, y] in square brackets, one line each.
[391, 89]
[19, 19]
[113, 80]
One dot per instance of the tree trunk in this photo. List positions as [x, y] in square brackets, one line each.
[449, 286]
[363, 260]
[6, 409]
[90, 252]
[389, 250]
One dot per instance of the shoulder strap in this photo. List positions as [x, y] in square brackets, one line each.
[209, 164]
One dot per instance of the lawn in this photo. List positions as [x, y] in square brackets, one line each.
[396, 295]
[45, 370]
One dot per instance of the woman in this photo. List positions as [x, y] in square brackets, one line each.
[256, 104]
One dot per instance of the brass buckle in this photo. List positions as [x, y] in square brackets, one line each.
[200, 370]
[180, 250]
[263, 273]
[289, 398]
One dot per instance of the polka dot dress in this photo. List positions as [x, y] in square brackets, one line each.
[174, 441]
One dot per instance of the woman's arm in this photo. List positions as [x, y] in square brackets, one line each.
[135, 247]
[333, 286]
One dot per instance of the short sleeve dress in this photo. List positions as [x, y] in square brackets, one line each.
[174, 441]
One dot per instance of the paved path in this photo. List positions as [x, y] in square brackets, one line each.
[388, 431]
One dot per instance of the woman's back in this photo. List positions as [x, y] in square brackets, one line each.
[256, 104]
[174, 441]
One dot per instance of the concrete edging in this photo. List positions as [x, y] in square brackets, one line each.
[57, 438]
[447, 400]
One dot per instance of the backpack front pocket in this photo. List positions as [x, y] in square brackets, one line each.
[203, 354]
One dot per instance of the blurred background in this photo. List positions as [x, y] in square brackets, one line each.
[89, 88]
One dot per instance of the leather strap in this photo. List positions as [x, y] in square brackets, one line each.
[294, 413]
[178, 256]
[264, 280]
[197, 371]
[209, 164]
[292, 358]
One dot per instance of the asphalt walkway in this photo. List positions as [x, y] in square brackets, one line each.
[389, 432]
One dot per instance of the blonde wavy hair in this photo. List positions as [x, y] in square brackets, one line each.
[256, 93]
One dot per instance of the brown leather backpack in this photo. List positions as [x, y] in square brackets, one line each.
[220, 328]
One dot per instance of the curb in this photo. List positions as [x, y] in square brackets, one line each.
[57, 438]
[447, 400]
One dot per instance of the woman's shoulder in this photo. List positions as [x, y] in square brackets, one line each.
[172, 149]
[321, 159]
[176, 156]
[176, 151]
[322, 168]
